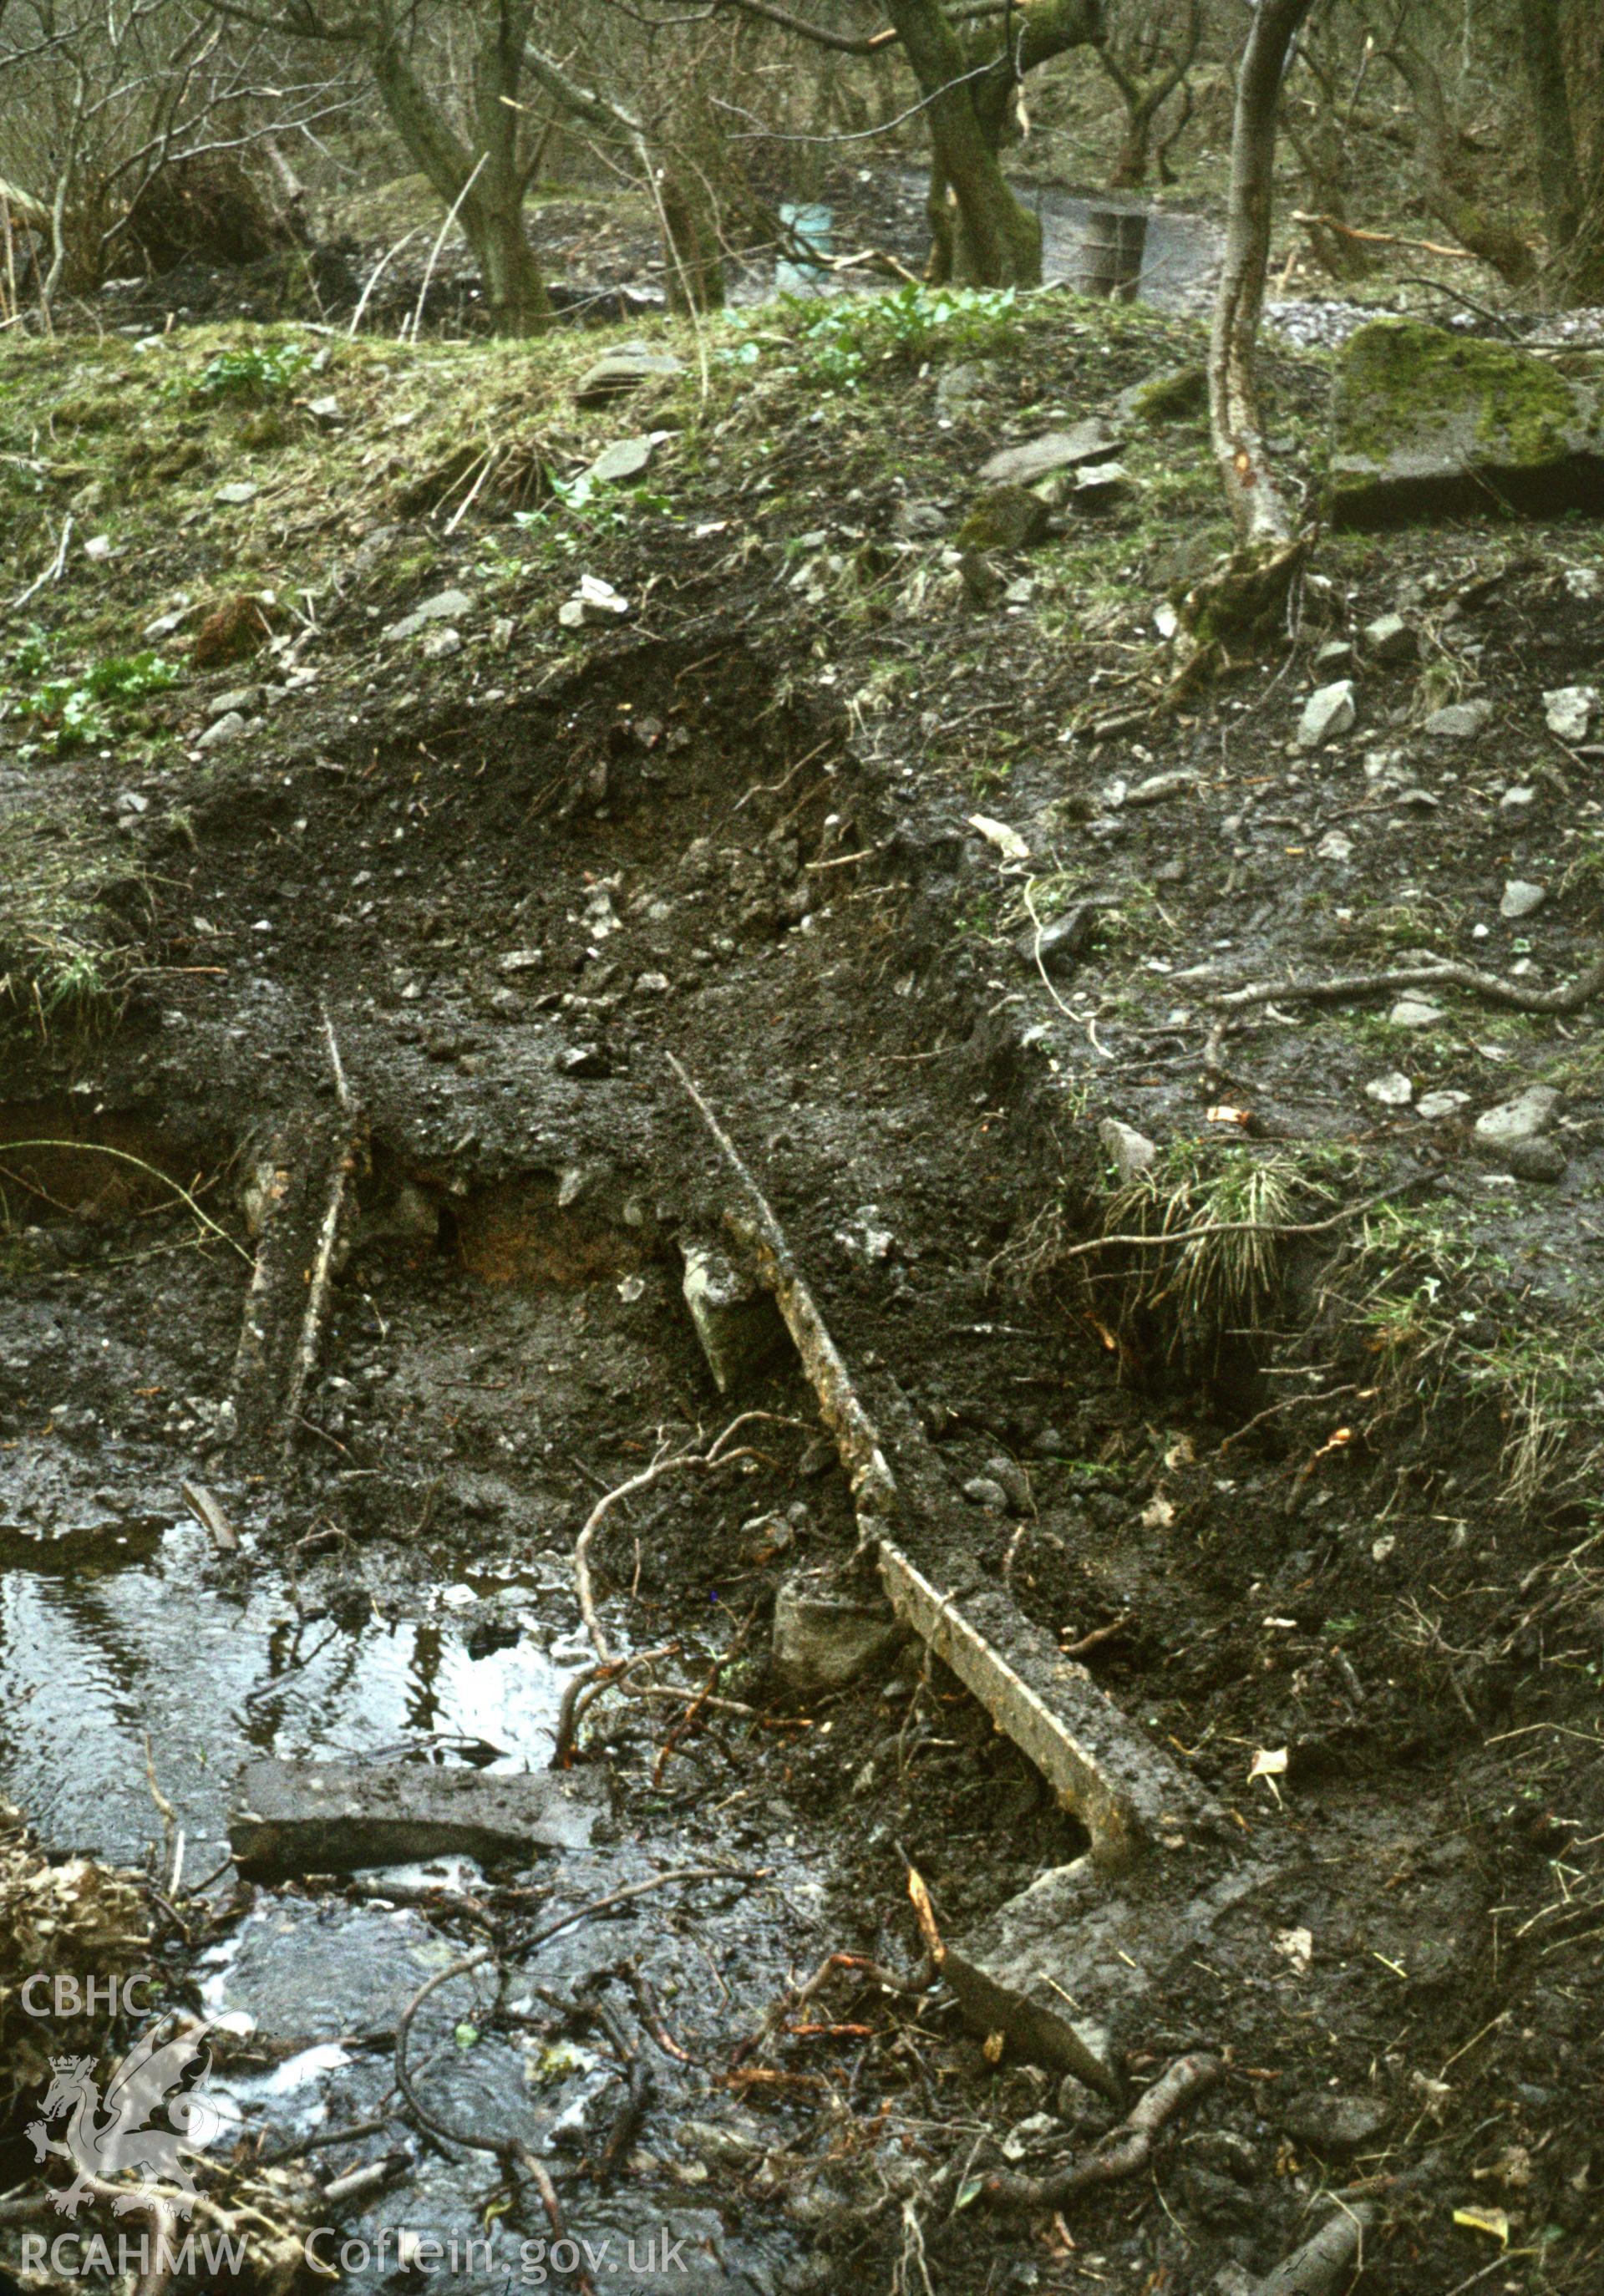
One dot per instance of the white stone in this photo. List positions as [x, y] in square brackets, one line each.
[1524, 1117]
[1329, 711]
[237, 495]
[444, 606]
[1521, 898]
[441, 644]
[1414, 1012]
[1568, 708]
[1393, 1090]
[1336, 845]
[1433, 1105]
[1129, 1151]
[1460, 721]
[221, 730]
[1519, 798]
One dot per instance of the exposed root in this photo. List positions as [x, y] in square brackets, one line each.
[1348, 988]
[1124, 2153]
[1323, 2264]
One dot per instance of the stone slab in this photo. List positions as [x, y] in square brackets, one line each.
[337, 1818]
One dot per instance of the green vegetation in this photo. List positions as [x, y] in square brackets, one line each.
[71, 712]
[842, 342]
[254, 372]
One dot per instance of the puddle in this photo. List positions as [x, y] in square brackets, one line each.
[110, 1635]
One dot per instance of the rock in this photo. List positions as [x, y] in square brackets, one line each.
[823, 1640]
[1129, 1151]
[626, 368]
[521, 959]
[239, 701]
[985, 1491]
[131, 801]
[1098, 486]
[1335, 656]
[336, 1817]
[1393, 1090]
[964, 388]
[1435, 1105]
[1414, 1012]
[1513, 1121]
[506, 1003]
[625, 459]
[583, 1061]
[1056, 450]
[1390, 639]
[1066, 936]
[1336, 845]
[1517, 799]
[1329, 711]
[228, 728]
[1536, 1159]
[440, 644]
[735, 1319]
[1335, 2124]
[1521, 898]
[1159, 786]
[1013, 1482]
[444, 606]
[919, 521]
[594, 601]
[237, 494]
[1216, 2199]
[1567, 709]
[1004, 517]
[1164, 396]
[1460, 721]
[1426, 422]
[324, 411]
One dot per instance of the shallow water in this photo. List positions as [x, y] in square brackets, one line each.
[112, 1636]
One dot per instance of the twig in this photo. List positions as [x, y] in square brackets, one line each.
[323, 1264]
[434, 253]
[1099, 1634]
[52, 572]
[665, 1463]
[208, 1512]
[471, 2140]
[1124, 2153]
[1385, 238]
[1345, 987]
[594, 1678]
[121, 1156]
[375, 275]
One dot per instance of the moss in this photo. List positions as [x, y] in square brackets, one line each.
[1396, 373]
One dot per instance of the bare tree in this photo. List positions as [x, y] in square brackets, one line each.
[478, 146]
[1147, 52]
[969, 58]
[101, 99]
[1257, 509]
[1562, 53]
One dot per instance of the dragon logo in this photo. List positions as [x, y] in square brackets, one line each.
[106, 2138]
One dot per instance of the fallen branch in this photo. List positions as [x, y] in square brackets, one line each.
[1323, 2262]
[873, 1489]
[122, 1156]
[1345, 988]
[208, 1512]
[323, 1264]
[1384, 238]
[1124, 2153]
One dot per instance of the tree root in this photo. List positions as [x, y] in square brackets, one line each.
[1346, 987]
[1124, 2153]
[1324, 2261]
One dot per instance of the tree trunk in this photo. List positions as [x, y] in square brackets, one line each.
[995, 241]
[1452, 193]
[1557, 178]
[1257, 510]
[491, 212]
